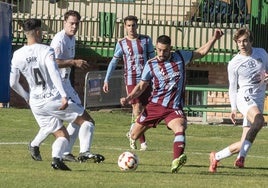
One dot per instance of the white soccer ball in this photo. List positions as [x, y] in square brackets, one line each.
[128, 161]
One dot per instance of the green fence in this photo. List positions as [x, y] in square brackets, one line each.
[189, 23]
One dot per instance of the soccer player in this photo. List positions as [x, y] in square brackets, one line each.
[167, 73]
[64, 46]
[47, 97]
[246, 74]
[135, 49]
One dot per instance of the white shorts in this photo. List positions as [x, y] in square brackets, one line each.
[50, 117]
[245, 102]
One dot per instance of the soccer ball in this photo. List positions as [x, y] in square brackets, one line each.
[128, 161]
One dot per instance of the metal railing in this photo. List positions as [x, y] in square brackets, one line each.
[189, 23]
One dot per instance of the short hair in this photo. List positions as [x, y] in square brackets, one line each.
[164, 39]
[31, 24]
[130, 18]
[243, 31]
[72, 13]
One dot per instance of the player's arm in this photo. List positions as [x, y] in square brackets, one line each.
[15, 84]
[232, 91]
[55, 76]
[79, 63]
[136, 92]
[203, 50]
[111, 67]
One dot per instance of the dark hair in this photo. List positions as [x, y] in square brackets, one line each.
[130, 18]
[164, 39]
[72, 13]
[31, 24]
[243, 31]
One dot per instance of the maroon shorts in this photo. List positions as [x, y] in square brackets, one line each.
[143, 98]
[153, 114]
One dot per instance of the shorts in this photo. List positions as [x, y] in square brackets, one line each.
[50, 117]
[153, 114]
[143, 98]
[245, 102]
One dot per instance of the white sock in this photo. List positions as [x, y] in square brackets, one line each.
[223, 154]
[39, 138]
[73, 130]
[86, 136]
[244, 149]
[58, 147]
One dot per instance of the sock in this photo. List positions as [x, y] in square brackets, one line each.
[142, 139]
[73, 130]
[58, 147]
[86, 136]
[178, 144]
[244, 149]
[223, 154]
[39, 138]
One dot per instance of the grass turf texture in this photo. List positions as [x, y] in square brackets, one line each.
[17, 169]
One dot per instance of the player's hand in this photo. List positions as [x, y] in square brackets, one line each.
[82, 64]
[64, 103]
[123, 101]
[232, 116]
[105, 87]
[218, 34]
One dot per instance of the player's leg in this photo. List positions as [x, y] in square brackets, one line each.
[257, 121]
[86, 132]
[136, 110]
[178, 126]
[73, 130]
[58, 147]
[34, 145]
[232, 149]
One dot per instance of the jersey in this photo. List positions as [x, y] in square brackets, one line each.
[246, 80]
[135, 53]
[168, 79]
[37, 64]
[64, 47]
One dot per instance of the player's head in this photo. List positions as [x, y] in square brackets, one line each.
[163, 47]
[32, 28]
[243, 31]
[131, 25]
[71, 22]
[244, 39]
[131, 18]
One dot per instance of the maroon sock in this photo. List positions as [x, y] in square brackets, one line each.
[142, 138]
[178, 144]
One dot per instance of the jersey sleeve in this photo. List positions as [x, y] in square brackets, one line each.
[14, 79]
[113, 63]
[54, 73]
[146, 73]
[266, 60]
[187, 56]
[57, 45]
[233, 84]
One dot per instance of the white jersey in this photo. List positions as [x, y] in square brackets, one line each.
[64, 47]
[37, 63]
[246, 80]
